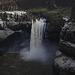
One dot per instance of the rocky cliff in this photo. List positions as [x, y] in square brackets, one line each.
[12, 28]
[64, 63]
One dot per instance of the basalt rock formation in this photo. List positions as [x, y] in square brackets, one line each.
[64, 63]
[11, 31]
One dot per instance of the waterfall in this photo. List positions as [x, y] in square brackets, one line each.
[37, 51]
[38, 28]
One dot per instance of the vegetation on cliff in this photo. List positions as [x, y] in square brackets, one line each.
[27, 4]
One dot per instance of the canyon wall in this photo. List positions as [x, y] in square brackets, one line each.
[64, 63]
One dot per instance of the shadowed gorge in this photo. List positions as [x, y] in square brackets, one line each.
[37, 37]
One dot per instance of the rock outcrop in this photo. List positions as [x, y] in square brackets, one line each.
[64, 63]
[11, 30]
[54, 26]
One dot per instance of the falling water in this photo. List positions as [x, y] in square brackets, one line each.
[38, 28]
[37, 51]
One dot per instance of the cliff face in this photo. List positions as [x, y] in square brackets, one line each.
[11, 28]
[64, 62]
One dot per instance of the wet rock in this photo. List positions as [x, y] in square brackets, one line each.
[67, 47]
[5, 33]
[67, 41]
[68, 32]
[64, 65]
[15, 26]
[54, 25]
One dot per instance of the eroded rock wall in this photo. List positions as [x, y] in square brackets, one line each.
[64, 63]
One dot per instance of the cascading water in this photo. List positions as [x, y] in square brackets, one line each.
[36, 52]
[38, 28]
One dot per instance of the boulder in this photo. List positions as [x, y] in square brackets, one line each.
[54, 25]
[67, 39]
[63, 64]
[4, 34]
[72, 17]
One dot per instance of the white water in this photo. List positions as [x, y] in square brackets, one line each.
[37, 51]
[37, 34]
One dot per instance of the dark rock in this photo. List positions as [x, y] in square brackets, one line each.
[64, 65]
[67, 48]
[1, 25]
[4, 34]
[68, 32]
[67, 42]
[10, 32]
[15, 26]
[54, 25]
